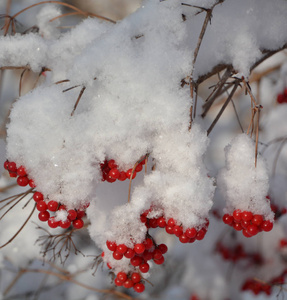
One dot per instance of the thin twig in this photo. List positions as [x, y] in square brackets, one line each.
[223, 108]
[20, 81]
[15, 235]
[78, 100]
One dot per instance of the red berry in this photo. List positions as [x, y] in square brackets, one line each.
[237, 215]
[266, 226]
[21, 171]
[184, 239]
[159, 261]
[244, 224]
[44, 216]
[257, 220]
[283, 243]
[190, 232]
[22, 180]
[62, 207]
[110, 179]
[171, 222]
[129, 173]
[42, 205]
[118, 282]
[139, 167]
[147, 255]
[12, 167]
[122, 176]
[247, 215]
[237, 226]
[112, 246]
[78, 224]
[148, 243]
[227, 219]
[163, 248]
[128, 283]
[122, 248]
[122, 276]
[157, 254]
[65, 224]
[161, 222]
[52, 205]
[280, 98]
[53, 223]
[114, 173]
[38, 196]
[13, 174]
[144, 268]
[129, 253]
[200, 234]
[153, 223]
[112, 164]
[139, 287]
[6, 164]
[169, 229]
[139, 248]
[246, 233]
[252, 230]
[177, 230]
[72, 214]
[136, 277]
[80, 214]
[32, 183]
[117, 255]
[136, 261]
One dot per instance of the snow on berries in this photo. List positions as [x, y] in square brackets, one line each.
[245, 187]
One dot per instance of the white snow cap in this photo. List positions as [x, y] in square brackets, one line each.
[245, 186]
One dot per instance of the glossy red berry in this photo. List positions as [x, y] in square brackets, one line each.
[112, 246]
[266, 226]
[190, 232]
[144, 268]
[247, 215]
[200, 234]
[177, 230]
[78, 224]
[148, 243]
[252, 230]
[139, 287]
[80, 214]
[157, 254]
[159, 261]
[117, 255]
[161, 222]
[53, 223]
[128, 283]
[237, 215]
[171, 222]
[136, 277]
[129, 253]
[139, 248]
[22, 180]
[130, 175]
[147, 255]
[257, 220]
[21, 171]
[184, 239]
[38, 196]
[12, 167]
[237, 226]
[114, 173]
[32, 183]
[139, 167]
[53, 205]
[122, 276]
[42, 205]
[118, 282]
[169, 229]
[72, 214]
[44, 216]
[65, 224]
[122, 248]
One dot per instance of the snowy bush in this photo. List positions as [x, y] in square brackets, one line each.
[134, 154]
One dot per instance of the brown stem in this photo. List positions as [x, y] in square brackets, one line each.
[223, 107]
[78, 100]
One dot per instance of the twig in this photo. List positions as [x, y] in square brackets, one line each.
[20, 81]
[15, 235]
[78, 100]
[223, 107]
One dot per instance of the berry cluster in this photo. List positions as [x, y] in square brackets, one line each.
[71, 217]
[282, 98]
[111, 172]
[171, 226]
[265, 287]
[63, 218]
[133, 280]
[249, 223]
[20, 173]
[237, 253]
[256, 287]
